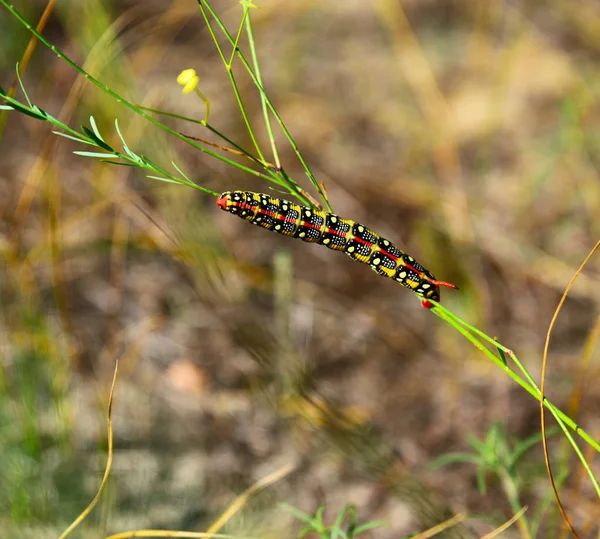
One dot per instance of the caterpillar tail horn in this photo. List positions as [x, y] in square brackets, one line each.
[426, 303]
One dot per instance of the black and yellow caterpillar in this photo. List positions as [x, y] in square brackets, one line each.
[317, 226]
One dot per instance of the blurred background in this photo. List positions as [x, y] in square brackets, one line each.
[466, 131]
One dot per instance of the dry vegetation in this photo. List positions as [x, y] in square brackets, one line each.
[467, 131]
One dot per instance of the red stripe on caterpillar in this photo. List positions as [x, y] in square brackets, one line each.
[318, 226]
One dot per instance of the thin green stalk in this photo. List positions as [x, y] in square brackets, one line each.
[581, 456]
[282, 126]
[262, 98]
[264, 164]
[233, 82]
[94, 138]
[122, 100]
[512, 493]
[537, 393]
[531, 390]
[237, 38]
[473, 329]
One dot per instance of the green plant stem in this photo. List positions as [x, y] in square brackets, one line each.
[258, 85]
[513, 499]
[237, 38]
[262, 97]
[123, 101]
[233, 82]
[264, 164]
[531, 390]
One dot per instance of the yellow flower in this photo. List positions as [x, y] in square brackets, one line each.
[188, 79]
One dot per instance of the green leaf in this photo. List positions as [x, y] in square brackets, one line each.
[451, 458]
[24, 110]
[300, 515]
[319, 515]
[180, 171]
[40, 111]
[125, 146]
[96, 154]
[95, 128]
[336, 532]
[369, 526]
[305, 531]
[22, 85]
[98, 141]
[167, 180]
[120, 163]
[481, 486]
[76, 138]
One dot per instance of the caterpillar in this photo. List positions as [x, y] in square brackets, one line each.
[317, 226]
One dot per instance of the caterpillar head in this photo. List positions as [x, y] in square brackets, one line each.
[224, 201]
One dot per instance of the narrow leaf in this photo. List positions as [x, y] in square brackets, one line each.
[96, 154]
[369, 526]
[76, 138]
[24, 110]
[121, 163]
[125, 146]
[99, 142]
[22, 85]
[95, 128]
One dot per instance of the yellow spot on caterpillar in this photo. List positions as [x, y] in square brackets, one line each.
[285, 207]
[402, 275]
[326, 241]
[333, 219]
[278, 227]
[386, 243]
[308, 213]
[411, 259]
[361, 229]
[302, 235]
[377, 261]
[426, 285]
[351, 249]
